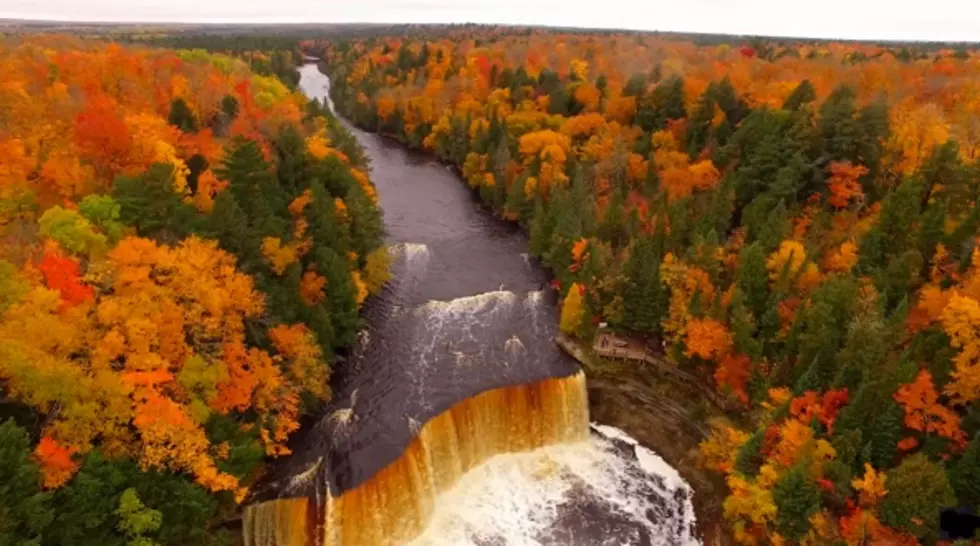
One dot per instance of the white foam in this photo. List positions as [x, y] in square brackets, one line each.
[533, 299]
[469, 304]
[516, 499]
[415, 255]
[652, 463]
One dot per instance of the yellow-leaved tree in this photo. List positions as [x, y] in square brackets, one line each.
[572, 310]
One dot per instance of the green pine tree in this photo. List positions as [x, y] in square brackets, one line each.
[24, 510]
[341, 295]
[917, 490]
[965, 475]
[645, 298]
[797, 498]
[181, 116]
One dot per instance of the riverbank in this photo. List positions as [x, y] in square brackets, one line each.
[664, 415]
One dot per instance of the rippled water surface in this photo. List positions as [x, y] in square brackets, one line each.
[468, 311]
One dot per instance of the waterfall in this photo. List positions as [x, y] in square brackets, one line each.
[394, 506]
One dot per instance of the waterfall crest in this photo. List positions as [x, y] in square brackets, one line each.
[394, 506]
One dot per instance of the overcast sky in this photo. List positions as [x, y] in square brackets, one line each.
[947, 20]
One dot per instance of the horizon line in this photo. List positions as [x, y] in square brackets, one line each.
[10, 21]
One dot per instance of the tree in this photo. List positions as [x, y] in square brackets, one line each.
[135, 519]
[376, 269]
[12, 286]
[229, 225]
[803, 94]
[924, 413]
[572, 310]
[341, 295]
[707, 338]
[291, 160]
[87, 506]
[752, 278]
[62, 274]
[181, 116]
[151, 204]
[964, 476]
[960, 319]
[871, 485]
[796, 498]
[103, 212]
[844, 183]
[24, 509]
[645, 297]
[917, 490]
[72, 231]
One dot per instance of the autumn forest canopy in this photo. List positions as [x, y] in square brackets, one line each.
[795, 223]
[184, 244]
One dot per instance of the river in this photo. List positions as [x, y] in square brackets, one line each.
[468, 311]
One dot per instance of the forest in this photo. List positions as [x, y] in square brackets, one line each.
[185, 244]
[793, 222]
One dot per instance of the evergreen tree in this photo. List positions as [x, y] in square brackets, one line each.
[917, 490]
[965, 475]
[542, 225]
[874, 413]
[181, 116]
[797, 498]
[228, 224]
[151, 205]
[865, 348]
[645, 297]
[291, 161]
[744, 328]
[752, 278]
[699, 124]
[803, 94]
[341, 295]
[612, 228]
[891, 234]
[326, 230]
[229, 107]
[823, 325]
[884, 435]
[196, 164]
[255, 189]
[749, 458]
[568, 229]
[86, 506]
[838, 127]
[367, 230]
[24, 509]
[669, 99]
[734, 108]
[873, 121]
[516, 205]
[635, 86]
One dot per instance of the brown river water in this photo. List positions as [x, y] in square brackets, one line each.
[457, 420]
